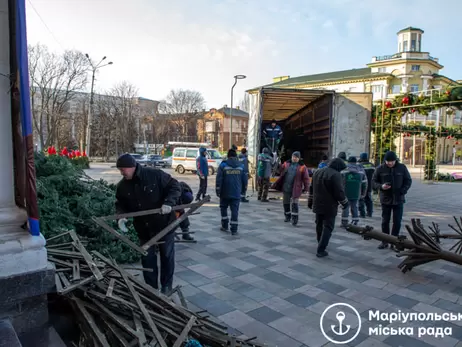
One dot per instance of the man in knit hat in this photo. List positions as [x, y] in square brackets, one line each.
[146, 188]
[393, 181]
[293, 182]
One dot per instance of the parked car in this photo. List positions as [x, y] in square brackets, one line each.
[155, 160]
[184, 159]
[139, 158]
[168, 161]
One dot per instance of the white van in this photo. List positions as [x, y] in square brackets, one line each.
[184, 159]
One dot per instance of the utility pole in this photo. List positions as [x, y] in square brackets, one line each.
[90, 108]
[237, 77]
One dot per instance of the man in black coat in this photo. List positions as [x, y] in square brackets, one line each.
[392, 180]
[145, 188]
[366, 204]
[326, 193]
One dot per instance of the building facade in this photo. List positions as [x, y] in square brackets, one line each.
[409, 70]
[214, 127]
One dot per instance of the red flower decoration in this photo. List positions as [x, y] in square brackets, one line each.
[413, 110]
[457, 142]
[448, 92]
[64, 152]
[388, 104]
[84, 154]
[77, 153]
[405, 100]
[374, 120]
[51, 150]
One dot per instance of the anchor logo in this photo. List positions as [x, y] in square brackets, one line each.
[340, 317]
[342, 333]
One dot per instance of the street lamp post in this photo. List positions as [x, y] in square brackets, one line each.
[237, 77]
[90, 109]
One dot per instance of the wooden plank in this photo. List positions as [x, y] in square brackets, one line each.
[89, 319]
[116, 333]
[143, 309]
[75, 270]
[110, 288]
[121, 237]
[142, 341]
[59, 285]
[57, 236]
[83, 282]
[88, 258]
[185, 332]
[174, 224]
[64, 280]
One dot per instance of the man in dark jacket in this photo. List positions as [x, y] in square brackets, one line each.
[293, 182]
[355, 184]
[366, 204]
[326, 194]
[264, 173]
[393, 181]
[343, 156]
[245, 162]
[145, 188]
[202, 169]
[230, 179]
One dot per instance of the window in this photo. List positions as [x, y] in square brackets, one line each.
[214, 154]
[405, 46]
[191, 153]
[414, 88]
[179, 152]
[415, 67]
[382, 69]
[395, 89]
[376, 89]
[400, 47]
[413, 42]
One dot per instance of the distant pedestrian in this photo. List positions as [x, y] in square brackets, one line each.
[265, 160]
[393, 181]
[245, 162]
[355, 183]
[186, 197]
[294, 181]
[343, 156]
[229, 182]
[202, 168]
[326, 194]
[323, 162]
[366, 204]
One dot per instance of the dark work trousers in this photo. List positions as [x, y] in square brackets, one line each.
[233, 204]
[397, 211]
[366, 205]
[324, 227]
[167, 263]
[353, 207]
[290, 207]
[202, 187]
[184, 225]
[263, 188]
[244, 188]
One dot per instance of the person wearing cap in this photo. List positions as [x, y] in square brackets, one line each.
[273, 135]
[392, 180]
[245, 162]
[264, 173]
[293, 182]
[355, 183]
[326, 194]
[231, 177]
[145, 188]
[366, 204]
[202, 169]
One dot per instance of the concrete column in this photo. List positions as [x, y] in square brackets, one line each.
[19, 251]
[404, 84]
[426, 82]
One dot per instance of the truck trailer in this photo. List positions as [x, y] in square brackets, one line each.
[314, 122]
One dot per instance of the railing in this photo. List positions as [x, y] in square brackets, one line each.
[388, 57]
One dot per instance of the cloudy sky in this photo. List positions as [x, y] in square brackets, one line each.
[159, 45]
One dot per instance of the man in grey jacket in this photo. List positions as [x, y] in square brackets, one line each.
[265, 160]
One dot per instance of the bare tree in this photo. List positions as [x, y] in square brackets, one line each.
[183, 108]
[55, 82]
[245, 103]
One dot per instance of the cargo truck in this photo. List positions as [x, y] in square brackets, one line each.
[314, 122]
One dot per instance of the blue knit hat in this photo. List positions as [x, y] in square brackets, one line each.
[364, 156]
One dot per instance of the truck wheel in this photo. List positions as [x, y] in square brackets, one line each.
[211, 170]
[180, 169]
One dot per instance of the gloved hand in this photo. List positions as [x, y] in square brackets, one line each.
[122, 225]
[166, 209]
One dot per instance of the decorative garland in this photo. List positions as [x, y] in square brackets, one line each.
[447, 132]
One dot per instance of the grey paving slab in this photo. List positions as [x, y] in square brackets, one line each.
[268, 282]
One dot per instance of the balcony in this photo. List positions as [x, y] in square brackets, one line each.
[405, 55]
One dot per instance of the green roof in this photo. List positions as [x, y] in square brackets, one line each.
[330, 77]
[409, 29]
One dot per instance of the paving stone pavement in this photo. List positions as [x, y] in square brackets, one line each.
[267, 282]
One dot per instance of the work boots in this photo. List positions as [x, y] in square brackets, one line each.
[287, 213]
[186, 236]
[294, 214]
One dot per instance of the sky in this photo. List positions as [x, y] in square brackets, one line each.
[159, 45]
